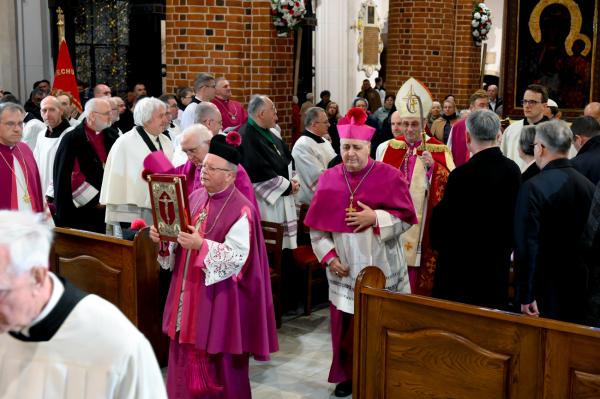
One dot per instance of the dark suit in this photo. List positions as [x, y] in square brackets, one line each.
[471, 228]
[587, 161]
[75, 146]
[551, 214]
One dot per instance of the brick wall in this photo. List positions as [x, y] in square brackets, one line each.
[235, 39]
[431, 41]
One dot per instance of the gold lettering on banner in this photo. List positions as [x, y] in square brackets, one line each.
[575, 31]
[370, 45]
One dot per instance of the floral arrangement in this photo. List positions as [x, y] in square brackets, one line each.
[481, 23]
[287, 14]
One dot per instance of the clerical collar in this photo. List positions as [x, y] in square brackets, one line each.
[57, 290]
[313, 136]
[45, 329]
[544, 119]
[58, 130]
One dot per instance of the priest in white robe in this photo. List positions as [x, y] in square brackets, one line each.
[312, 153]
[360, 209]
[47, 144]
[124, 191]
[57, 341]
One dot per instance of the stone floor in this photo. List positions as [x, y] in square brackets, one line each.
[300, 368]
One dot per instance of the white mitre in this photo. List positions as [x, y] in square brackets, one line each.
[407, 105]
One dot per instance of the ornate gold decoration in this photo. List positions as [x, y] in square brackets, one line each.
[397, 144]
[60, 23]
[575, 32]
[370, 44]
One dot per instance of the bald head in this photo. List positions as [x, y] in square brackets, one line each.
[51, 111]
[101, 90]
[209, 115]
[593, 110]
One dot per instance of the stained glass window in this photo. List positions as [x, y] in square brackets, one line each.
[101, 41]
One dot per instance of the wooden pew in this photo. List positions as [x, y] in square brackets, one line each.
[409, 346]
[123, 272]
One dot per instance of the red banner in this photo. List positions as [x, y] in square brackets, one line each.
[64, 77]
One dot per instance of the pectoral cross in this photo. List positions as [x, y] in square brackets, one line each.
[26, 198]
[351, 207]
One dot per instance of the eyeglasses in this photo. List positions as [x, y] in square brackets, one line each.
[211, 169]
[324, 122]
[107, 113]
[12, 125]
[210, 86]
[190, 96]
[212, 120]
[530, 102]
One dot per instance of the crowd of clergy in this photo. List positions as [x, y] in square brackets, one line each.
[451, 205]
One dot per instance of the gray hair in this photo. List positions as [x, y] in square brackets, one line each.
[204, 111]
[144, 108]
[11, 107]
[556, 135]
[257, 102]
[233, 167]
[483, 125]
[27, 238]
[312, 114]
[526, 139]
[92, 105]
[198, 131]
[202, 80]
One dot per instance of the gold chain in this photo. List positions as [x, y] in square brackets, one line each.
[26, 196]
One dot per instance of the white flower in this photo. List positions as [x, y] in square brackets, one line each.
[474, 24]
[484, 18]
[477, 16]
[475, 33]
[482, 5]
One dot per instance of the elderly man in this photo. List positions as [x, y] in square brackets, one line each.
[441, 127]
[312, 153]
[474, 251]
[101, 90]
[268, 162]
[593, 110]
[234, 114]
[551, 215]
[586, 132]
[79, 168]
[124, 191]
[534, 103]
[70, 113]
[19, 175]
[45, 149]
[426, 166]
[356, 217]
[220, 288]
[495, 102]
[204, 86]
[57, 341]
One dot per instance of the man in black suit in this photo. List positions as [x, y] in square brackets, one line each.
[472, 226]
[551, 214]
[495, 101]
[79, 169]
[586, 132]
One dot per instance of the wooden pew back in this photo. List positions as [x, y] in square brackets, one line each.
[126, 273]
[407, 346]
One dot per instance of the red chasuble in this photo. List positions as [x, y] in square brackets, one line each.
[394, 154]
[8, 181]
